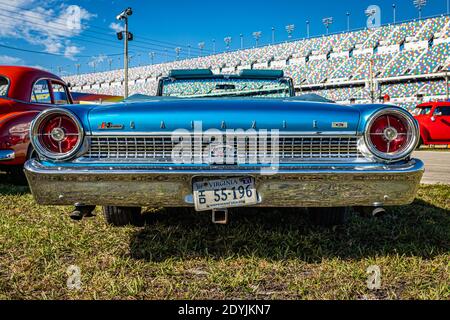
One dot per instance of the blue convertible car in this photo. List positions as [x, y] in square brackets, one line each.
[216, 142]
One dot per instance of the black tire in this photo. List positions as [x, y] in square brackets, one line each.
[420, 144]
[123, 216]
[328, 217]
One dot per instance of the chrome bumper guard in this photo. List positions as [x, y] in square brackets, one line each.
[301, 186]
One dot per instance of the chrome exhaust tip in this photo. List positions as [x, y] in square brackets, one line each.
[378, 212]
[81, 211]
[220, 216]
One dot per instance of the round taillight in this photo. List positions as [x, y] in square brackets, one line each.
[56, 134]
[391, 134]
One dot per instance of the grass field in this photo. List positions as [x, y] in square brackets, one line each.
[273, 254]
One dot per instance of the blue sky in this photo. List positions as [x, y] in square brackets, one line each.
[81, 32]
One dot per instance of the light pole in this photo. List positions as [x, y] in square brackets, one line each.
[290, 29]
[167, 54]
[394, 13]
[447, 89]
[214, 46]
[273, 35]
[139, 59]
[78, 67]
[419, 4]
[126, 36]
[152, 57]
[201, 46]
[307, 28]
[327, 22]
[228, 41]
[257, 36]
[348, 21]
[242, 40]
[110, 64]
[177, 51]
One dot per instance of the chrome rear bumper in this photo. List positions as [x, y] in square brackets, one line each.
[303, 186]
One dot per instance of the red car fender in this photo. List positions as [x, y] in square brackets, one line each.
[424, 134]
[14, 134]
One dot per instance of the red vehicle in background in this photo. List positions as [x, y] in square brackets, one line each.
[434, 121]
[24, 92]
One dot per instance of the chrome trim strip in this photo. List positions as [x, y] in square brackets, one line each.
[6, 155]
[323, 186]
[258, 131]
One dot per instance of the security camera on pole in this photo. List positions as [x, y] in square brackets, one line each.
[126, 36]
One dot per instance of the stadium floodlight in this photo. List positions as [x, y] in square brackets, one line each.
[394, 13]
[214, 46]
[77, 65]
[273, 35]
[178, 51]
[228, 41]
[327, 22]
[189, 51]
[201, 46]
[307, 28]
[290, 30]
[110, 61]
[242, 40]
[257, 36]
[123, 16]
[419, 4]
[348, 21]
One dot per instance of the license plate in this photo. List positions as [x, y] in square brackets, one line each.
[224, 193]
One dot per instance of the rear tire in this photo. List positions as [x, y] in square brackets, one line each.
[123, 216]
[328, 217]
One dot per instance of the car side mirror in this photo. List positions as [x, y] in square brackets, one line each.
[433, 118]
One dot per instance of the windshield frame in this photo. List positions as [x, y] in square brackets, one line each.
[288, 80]
[7, 88]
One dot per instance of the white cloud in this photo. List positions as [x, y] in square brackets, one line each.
[97, 60]
[70, 51]
[45, 24]
[117, 27]
[10, 60]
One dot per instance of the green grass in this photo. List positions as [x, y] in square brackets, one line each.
[265, 254]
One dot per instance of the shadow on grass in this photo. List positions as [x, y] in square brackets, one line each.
[12, 185]
[420, 229]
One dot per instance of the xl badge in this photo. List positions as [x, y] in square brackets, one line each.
[110, 126]
[340, 125]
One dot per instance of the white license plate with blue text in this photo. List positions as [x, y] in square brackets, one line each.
[224, 193]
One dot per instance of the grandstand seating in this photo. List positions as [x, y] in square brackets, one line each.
[342, 62]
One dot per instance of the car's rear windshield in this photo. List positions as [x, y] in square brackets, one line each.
[222, 87]
[4, 85]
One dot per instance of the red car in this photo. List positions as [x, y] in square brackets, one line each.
[24, 92]
[434, 121]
